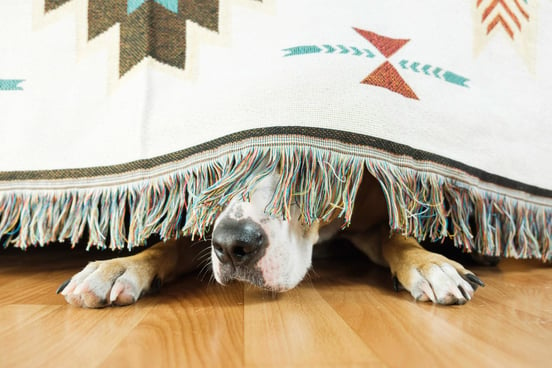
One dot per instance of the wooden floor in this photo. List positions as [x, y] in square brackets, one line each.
[345, 314]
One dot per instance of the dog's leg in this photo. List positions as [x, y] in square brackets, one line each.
[427, 275]
[121, 281]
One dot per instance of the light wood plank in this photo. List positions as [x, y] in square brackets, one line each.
[299, 328]
[16, 316]
[39, 288]
[481, 333]
[192, 325]
[64, 336]
[347, 314]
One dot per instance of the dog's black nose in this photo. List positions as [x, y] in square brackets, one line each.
[239, 242]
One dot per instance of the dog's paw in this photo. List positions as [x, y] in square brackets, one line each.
[437, 279]
[111, 282]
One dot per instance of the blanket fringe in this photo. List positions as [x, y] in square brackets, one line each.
[430, 206]
[322, 182]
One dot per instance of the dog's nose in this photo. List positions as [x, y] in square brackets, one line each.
[239, 242]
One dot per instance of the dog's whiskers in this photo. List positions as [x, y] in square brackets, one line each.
[203, 258]
[200, 242]
[203, 255]
[311, 275]
[205, 272]
[205, 268]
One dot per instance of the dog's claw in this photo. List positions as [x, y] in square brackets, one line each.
[63, 286]
[438, 280]
[474, 281]
[464, 294]
[396, 284]
[117, 281]
[156, 285]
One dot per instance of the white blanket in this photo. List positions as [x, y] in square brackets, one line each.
[155, 112]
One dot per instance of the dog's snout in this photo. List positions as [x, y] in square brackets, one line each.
[239, 242]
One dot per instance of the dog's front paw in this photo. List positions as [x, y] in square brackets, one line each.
[437, 279]
[104, 283]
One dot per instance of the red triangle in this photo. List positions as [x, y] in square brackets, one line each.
[387, 76]
[387, 46]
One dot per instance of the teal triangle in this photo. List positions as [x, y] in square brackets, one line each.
[132, 5]
[171, 5]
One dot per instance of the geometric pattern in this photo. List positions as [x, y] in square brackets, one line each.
[329, 49]
[385, 75]
[434, 71]
[11, 84]
[154, 28]
[386, 45]
[505, 14]
[516, 19]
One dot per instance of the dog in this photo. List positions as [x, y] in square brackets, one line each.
[249, 245]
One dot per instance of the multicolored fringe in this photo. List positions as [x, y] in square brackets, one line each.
[430, 206]
[322, 182]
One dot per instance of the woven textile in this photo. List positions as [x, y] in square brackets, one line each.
[126, 118]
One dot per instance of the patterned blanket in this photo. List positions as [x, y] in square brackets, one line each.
[120, 119]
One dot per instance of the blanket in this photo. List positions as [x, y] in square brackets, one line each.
[121, 119]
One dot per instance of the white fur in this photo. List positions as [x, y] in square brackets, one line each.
[288, 255]
[289, 252]
[101, 283]
[440, 284]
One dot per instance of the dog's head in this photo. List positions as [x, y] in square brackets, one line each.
[250, 245]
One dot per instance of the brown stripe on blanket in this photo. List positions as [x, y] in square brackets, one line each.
[265, 133]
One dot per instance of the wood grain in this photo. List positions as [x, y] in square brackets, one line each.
[345, 314]
[192, 325]
[299, 328]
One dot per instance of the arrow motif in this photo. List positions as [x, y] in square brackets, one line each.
[455, 78]
[368, 53]
[508, 13]
[386, 75]
[428, 69]
[329, 49]
[303, 50]
[10, 84]
[356, 52]
[344, 50]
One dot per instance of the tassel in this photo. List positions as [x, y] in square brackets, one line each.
[321, 181]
